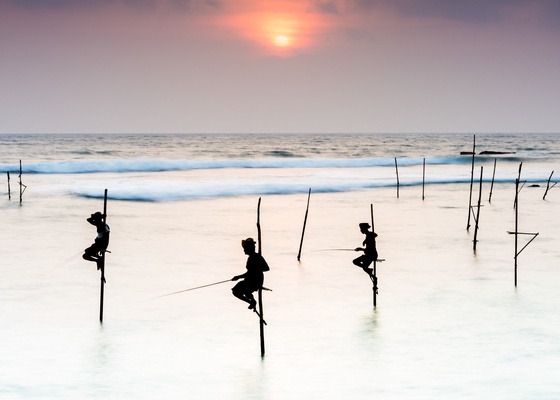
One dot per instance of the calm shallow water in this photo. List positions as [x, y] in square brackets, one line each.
[449, 322]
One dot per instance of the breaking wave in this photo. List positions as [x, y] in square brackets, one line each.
[162, 165]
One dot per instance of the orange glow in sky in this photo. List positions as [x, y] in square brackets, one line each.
[283, 32]
[282, 41]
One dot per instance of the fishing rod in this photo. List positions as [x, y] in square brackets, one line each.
[313, 251]
[193, 288]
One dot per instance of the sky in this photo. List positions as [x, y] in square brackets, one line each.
[279, 66]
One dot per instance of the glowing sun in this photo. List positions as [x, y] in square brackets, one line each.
[281, 41]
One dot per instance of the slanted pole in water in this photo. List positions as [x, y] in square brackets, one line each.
[547, 185]
[261, 311]
[397, 170]
[304, 223]
[476, 219]
[103, 262]
[492, 184]
[517, 188]
[472, 179]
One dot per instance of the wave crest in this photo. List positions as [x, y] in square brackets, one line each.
[162, 165]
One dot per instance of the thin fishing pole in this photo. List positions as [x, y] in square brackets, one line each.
[68, 259]
[193, 288]
[313, 251]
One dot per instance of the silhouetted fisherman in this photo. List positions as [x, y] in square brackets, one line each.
[369, 249]
[95, 251]
[253, 279]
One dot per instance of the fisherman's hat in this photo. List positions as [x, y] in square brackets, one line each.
[248, 242]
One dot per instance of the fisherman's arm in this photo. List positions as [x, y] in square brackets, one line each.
[237, 277]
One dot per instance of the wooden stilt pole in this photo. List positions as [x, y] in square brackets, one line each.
[304, 223]
[103, 263]
[472, 179]
[492, 184]
[423, 177]
[9, 192]
[261, 310]
[259, 238]
[397, 170]
[547, 185]
[478, 211]
[374, 272]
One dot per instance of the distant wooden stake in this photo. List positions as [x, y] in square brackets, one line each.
[103, 262]
[20, 183]
[423, 177]
[9, 192]
[477, 212]
[547, 185]
[516, 229]
[261, 310]
[492, 184]
[517, 188]
[397, 170]
[304, 223]
[472, 179]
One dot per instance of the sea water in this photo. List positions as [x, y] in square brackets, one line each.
[449, 322]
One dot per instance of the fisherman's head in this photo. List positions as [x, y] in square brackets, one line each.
[96, 215]
[248, 245]
[364, 226]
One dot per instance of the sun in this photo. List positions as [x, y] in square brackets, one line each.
[282, 41]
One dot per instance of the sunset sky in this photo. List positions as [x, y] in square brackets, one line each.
[151, 66]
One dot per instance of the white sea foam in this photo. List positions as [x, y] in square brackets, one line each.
[161, 165]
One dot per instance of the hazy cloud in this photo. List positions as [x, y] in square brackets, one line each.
[56, 4]
[326, 7]
[183, 5]
[141, 4]
[479, 11]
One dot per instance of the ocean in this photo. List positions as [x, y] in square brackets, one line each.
[449, 321]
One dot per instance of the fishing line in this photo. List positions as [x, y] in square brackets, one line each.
[67, 260]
